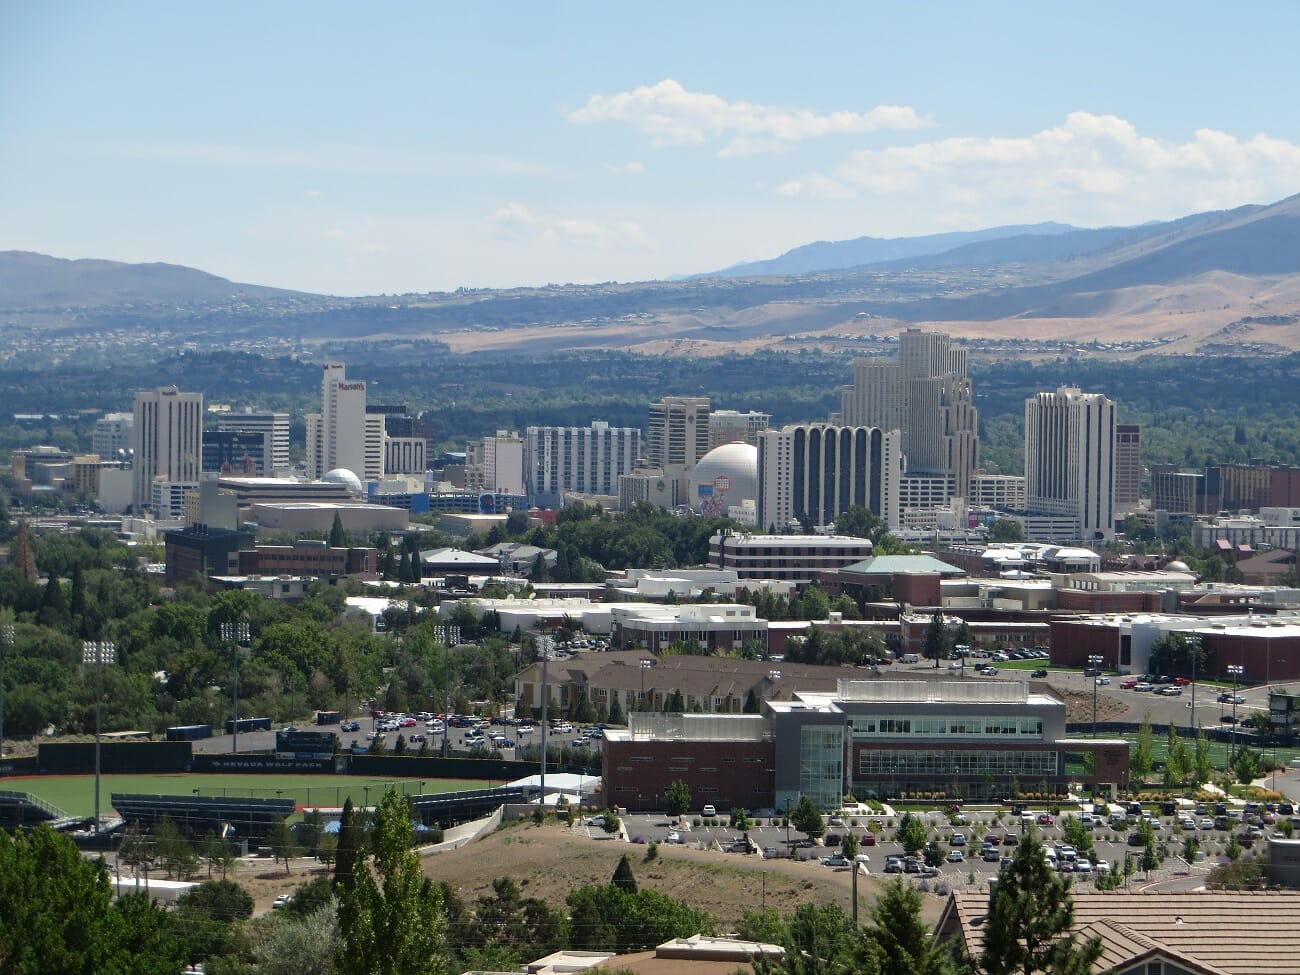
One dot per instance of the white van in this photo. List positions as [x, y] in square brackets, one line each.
[910, 658]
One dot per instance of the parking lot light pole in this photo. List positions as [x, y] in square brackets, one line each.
[236, 636]
[1094, 663]
[98, 653]
[1236, 670]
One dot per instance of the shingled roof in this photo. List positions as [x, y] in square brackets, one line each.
[1206, 932]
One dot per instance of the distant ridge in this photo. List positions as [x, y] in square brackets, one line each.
[29, 281]
[840, 255]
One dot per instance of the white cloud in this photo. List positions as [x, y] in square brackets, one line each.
[312, 194]
[627, 167]
[518, 221]
[671, 115]
[1092, 169]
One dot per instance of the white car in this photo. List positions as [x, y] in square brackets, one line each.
[281, 901]
[1103, 680]
[674, 837]
[1102, 866]
[1082, 866]
[708, 811]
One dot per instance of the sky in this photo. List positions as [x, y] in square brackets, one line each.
[393, 147]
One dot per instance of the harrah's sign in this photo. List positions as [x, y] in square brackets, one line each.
[351, 387]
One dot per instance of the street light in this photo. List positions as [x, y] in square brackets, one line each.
[6, 642]
[97, 654]
[1094, 663]
[645, 666]
[1236, 670]
[236, 635]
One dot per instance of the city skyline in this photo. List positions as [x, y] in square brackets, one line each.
[413, 149]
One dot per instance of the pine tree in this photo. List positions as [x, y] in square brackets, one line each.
[338, 537]
[623, 878]
[54, 608]
[1030, 914]
[615, 711]
[899, 943]
[345, 858]
[77, 605]
[751, 702]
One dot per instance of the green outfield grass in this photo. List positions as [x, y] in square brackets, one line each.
[75, 794]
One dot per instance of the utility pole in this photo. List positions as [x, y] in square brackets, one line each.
[1094, 663]
[236, 635]
[545, 644]
[1236, 670]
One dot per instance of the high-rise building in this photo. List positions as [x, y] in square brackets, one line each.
[926, 395]
[677, 434]
[168, 437]
[1128, 466]
[114, 435]
[341, 435]
[495, 464]
[1070, 459]
[815, 471]
[732, 426]
[584, 460]
[274, 428]
[235, 452]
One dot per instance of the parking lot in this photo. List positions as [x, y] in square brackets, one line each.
[996, 826]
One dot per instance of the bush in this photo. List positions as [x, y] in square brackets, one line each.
[652, 851]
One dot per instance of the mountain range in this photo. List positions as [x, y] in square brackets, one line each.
[1216, 280]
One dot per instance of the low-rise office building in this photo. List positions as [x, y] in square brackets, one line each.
[793, 558]
[973, 739]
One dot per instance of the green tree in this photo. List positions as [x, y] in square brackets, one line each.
[283, 844]
[224, 900]
[305, 947]
[608, 917]
[174, 852]
[1006, 530]
[338, 537]
[807, 818]
[912, 834]
[899, 941]
[390, 922]
[59, 914]
[1027, 928]
[678, 798]
[1143, 752]
[623, 878]
[936, 638]
[1202, 765]
[849, 845]
[616, 711]
[349, 848]
[1247, 765]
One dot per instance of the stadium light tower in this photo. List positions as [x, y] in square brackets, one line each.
[98, 654]
[236, 636]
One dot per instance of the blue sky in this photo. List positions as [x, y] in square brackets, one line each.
[391, 147]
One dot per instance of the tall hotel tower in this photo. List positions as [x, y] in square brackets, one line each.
[168, 432]
[1070, 459]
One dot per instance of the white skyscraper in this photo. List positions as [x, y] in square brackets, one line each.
[677, 434]
[1070, 459]
[114, 435]
[495, 464]
[586, 460]
[341, 435]
[168, 435]
[816, 471]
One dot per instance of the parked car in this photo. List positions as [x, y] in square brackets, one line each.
[836, 860]
[282, 901]
[1040, 672]
[1102, 681]
[955, 856]
[868, 839]
[1128, 683]
[349, 726]
[1045, 819]
[708, 811]
[1172, 690]
[1144, 686]
[957, 839]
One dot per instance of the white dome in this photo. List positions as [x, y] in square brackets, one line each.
[724, 476]
[341, 475]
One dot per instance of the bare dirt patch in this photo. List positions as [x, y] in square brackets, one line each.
[548, 861]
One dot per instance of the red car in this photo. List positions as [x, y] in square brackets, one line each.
[1181, 681]
[1129, 683]
[868, 839]
[1045, 819]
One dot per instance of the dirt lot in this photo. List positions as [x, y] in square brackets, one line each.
[549, 861]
